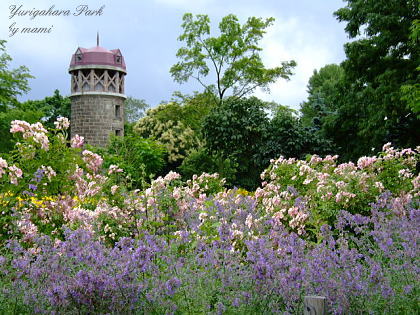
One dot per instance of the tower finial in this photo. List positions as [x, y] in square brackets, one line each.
[97, 38]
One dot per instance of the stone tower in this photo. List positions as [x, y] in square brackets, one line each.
[97, 94]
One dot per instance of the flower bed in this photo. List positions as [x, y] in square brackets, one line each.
[74, 239]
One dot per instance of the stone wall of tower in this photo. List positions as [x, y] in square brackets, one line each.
[96, 117]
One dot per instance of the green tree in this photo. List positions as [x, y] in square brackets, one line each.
[201, 160]
[13, 83]
[322, 95]
[31, 114]
[52, 107]
[176, 125]
[134, 109]
[140, 158]
[194, 108]
[235, 129]
[287, 136]
[234, 56]
[380, 60]
[411, 92]
[46, 110]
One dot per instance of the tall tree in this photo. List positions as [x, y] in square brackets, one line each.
[176, 125]
[234, 56]
[13, 82]
[323, 95]
[411, 92]
[236, 130]
[52, 107]
[380, 60]
[134, 109]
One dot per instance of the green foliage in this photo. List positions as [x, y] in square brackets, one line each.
[235, 129]
[140, 158]
[134, 109]
[323, 95]
[287, 136]
[47, 110]
[177, 138]
[202, 161]
[45, 172]
[13, 82]
[381, 59]
[52, 107]
[241, 131]
[193, 108]
[233, 55]
[176, 125]
[411, 92]
[27, 112]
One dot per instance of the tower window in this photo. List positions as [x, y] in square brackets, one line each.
[118, 59]
[79, 57]
[118, 132]
[117, 111]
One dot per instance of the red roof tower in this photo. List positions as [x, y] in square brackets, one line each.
[97, 93]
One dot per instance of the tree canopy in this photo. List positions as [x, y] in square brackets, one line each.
[323, 94]
[13, 82]
[381, 60]
[234, 56]
[134, 109]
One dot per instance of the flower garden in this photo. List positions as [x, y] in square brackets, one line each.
[76, 240]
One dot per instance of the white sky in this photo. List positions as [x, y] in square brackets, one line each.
[146, 31]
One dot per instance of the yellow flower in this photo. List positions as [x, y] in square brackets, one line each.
[243, 192]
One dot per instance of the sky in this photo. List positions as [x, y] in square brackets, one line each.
[146, 32]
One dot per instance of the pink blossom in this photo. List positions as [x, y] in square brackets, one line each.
[77, 141]
[330, 158]
[14, 174]
[3, 165]
[344, 196]
[340, 184]
[93, 161]
[278, 216]
[366, 161]
[387, 146]
[315, 159]
[293, 211]
[405, 173]
[114, 189]
[114, 169]
[42, 139]
[379, 185]
[35, 131]
[62, 123]
[48, 171]
[28, 229]
[249, 221]
[19, 126]
[171, 176]
[38, 127]
[176, 193]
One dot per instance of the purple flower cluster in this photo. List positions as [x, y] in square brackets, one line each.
[82, 274]
[363, 263]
